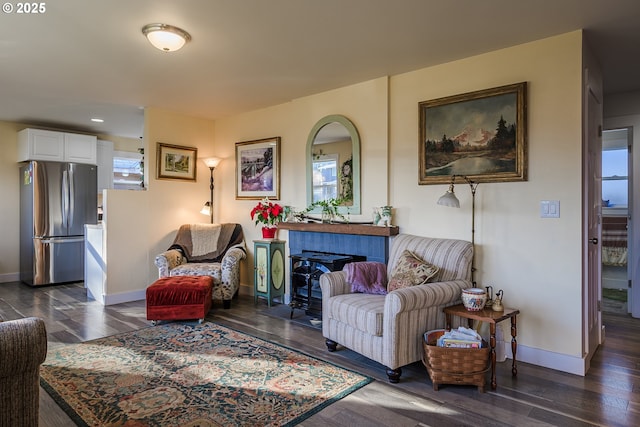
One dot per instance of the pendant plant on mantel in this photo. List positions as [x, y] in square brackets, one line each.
[328, 209]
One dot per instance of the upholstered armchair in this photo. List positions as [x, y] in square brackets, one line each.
[214, 250]
[23, 348]
[389, 328]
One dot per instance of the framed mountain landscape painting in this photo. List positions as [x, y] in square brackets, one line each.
[481, 135]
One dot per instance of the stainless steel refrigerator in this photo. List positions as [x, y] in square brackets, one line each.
[56, 201]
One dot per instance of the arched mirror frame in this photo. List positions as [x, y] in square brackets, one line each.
[355, 144]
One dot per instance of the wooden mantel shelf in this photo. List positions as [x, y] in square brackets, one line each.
[356, 229]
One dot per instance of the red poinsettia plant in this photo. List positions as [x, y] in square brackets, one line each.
[267, 213]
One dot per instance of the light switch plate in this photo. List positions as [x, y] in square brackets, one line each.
[549, 208]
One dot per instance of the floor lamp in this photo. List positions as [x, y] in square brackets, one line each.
[207, 209]
[449, 199]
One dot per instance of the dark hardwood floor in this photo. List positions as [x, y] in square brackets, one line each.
[608, 396]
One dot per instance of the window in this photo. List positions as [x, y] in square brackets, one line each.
[127, 171]
[615, 168]
[325, 177]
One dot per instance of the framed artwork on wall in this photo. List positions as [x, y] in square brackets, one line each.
[258, 169]
[176, 162]
[481, 135]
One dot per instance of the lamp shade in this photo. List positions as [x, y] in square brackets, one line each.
[166, 37]
[449, 199]
[206, 209]
[212, 162]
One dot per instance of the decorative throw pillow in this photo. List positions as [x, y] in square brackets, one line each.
[367, 277]
[410, 271]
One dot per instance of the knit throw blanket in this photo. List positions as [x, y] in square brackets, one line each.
[207, 242]
[368, 277]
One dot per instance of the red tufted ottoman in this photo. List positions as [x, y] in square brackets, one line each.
[179, 298]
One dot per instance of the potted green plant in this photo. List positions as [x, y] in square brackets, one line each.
[328, 209]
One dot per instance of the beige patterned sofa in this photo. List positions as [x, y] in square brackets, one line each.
[389, 328]
[214, 250]
[23, 347]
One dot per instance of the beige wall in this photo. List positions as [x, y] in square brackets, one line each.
[10, 206]
[365, 104]
[141, 224]
[537, 262]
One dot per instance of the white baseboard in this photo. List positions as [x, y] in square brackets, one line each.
[9, 277]
[548, 359]
[125, 297]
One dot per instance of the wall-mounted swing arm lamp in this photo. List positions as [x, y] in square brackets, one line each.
[449, 199]
[207, 209]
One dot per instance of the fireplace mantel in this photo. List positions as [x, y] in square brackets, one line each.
[365, 240]
[355, 229]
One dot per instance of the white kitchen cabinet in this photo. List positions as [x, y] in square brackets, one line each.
[105, 165]
[80, 148]
[38, 144]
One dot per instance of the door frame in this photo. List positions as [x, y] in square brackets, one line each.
[592, 333]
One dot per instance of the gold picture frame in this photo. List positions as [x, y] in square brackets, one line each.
[176, 162]
[258, 169]
[481, 135]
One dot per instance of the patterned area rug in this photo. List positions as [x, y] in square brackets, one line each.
[191, 375]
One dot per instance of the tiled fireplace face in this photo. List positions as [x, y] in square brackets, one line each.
[306, 249]
[373, 248]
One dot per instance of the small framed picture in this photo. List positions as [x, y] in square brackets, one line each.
[176, 162]
[258, 169]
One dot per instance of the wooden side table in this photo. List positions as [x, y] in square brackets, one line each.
[493, 318]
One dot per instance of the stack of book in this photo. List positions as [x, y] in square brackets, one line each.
[460, 338]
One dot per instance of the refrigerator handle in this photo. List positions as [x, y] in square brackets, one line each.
[65, 198]
[71, 196]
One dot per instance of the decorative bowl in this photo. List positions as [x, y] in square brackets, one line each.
[315, 322]
[474, 299]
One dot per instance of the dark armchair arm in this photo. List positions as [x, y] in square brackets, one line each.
[23, 347]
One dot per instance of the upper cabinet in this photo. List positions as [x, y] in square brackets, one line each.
[38, 144]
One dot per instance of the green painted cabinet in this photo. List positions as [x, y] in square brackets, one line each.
[269, 269]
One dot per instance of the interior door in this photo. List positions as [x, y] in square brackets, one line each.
[593, 182]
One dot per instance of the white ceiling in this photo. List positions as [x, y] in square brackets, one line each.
[87, 58]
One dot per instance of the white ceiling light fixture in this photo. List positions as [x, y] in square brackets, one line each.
[166, 37]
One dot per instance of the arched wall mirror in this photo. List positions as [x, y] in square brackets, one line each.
[333, 163]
